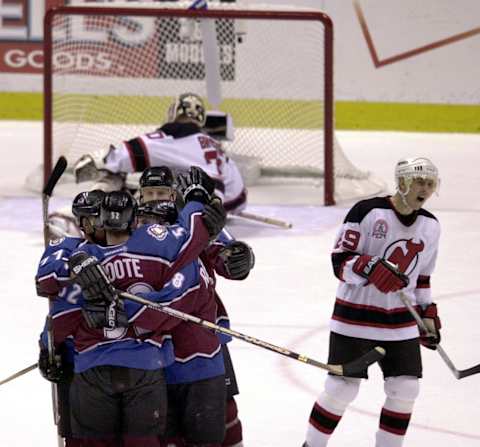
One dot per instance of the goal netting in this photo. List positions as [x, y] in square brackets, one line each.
[112, 70]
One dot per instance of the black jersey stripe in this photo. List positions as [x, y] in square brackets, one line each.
[138, 154]
[362, 315]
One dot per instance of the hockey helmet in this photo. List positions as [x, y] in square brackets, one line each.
[163, 212]
[419, 167]
[190, 105]
[117, 212]
[87, 204]
[157, 176]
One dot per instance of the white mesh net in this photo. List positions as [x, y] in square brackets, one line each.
[114, 76]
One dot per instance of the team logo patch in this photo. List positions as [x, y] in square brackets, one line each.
[57, 241]
[380, 229]
[157, 231]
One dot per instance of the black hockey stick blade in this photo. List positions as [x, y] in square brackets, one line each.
[57, 172]
[468, 372]
[361, 364]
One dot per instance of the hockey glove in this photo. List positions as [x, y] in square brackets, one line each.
[214, 217]
[91, 277]
[432, 321]
[53, 371]
[104, 314]
[196, 185]
[384, 275]
[238, 259]
[88, 166]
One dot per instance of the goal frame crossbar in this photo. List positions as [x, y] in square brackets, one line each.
[328, 119]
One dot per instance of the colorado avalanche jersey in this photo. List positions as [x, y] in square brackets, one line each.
[374, 228]
[180, 146]
[147, 261]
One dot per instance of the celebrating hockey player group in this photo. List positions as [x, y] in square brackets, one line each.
[127, 361]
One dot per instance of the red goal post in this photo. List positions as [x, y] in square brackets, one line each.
[283, 116]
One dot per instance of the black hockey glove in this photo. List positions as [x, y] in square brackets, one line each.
[384, 275]
[214, 217]
[53, 370]
[195, 185]
[102, 307]
[90, 276]
[102, 314]
[432, 321]
[238, 259]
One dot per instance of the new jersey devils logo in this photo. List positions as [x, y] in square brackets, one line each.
[404, 254]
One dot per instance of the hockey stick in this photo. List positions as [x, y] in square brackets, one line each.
[263, 219]
[459, 374]
[19, 373]
[347, 369]
[57, 172]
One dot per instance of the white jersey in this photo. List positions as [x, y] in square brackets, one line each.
[374, 228]
[180, 146]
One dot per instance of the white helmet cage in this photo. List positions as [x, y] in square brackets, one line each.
[410, 168]
[189, 105]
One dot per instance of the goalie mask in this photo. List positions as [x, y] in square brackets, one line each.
[117, 212]
[411, 168]
[87, 205]
[189, 105]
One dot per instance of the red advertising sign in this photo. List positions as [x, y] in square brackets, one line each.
[21, 34]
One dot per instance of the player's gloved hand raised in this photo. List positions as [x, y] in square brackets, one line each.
[384, 275]
[214, 217]
[432, 321]
[196, 185]
[238, 259]
[52, 370]
[103, 314]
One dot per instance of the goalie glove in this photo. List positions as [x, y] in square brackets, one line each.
[195, 185]
[384, 275]
[238, 259]
[88, 166]
[432, 322]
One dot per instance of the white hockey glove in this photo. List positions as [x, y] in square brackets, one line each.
[88, 166]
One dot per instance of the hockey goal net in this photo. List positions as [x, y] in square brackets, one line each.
[112, 70]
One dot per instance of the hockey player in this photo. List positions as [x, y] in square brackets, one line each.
[128, 356]
[385, 246]
[225, 256]
[53, 281]
[179, 144]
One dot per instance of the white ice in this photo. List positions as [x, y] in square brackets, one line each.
[287, 300]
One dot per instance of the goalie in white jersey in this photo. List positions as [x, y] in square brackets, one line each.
[178, 144]
[386, 244]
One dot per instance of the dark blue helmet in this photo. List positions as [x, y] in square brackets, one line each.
[117, 212]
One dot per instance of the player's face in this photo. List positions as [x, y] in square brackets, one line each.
[421, 189]
[150, 193]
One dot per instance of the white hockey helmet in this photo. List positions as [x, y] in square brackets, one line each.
[419, 167]
[189, 105]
